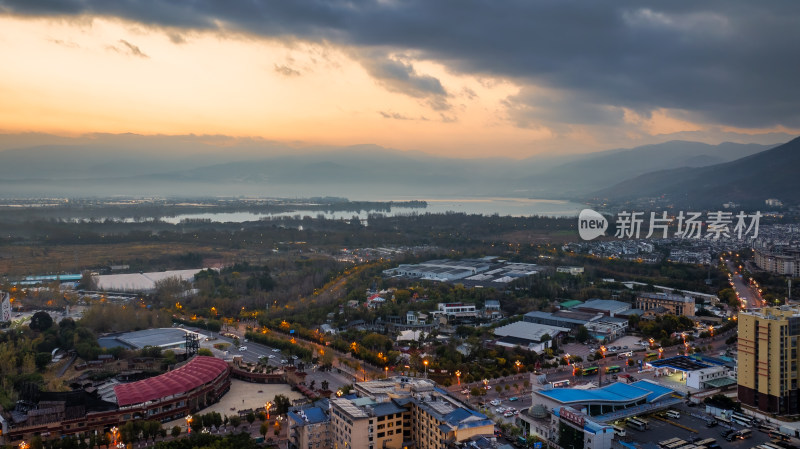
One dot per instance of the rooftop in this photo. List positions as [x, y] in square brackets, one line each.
[168, 336]
[529, 331]
[617, 392]
[608, 305]
[680, 363]
[666, 297]
[198, 371]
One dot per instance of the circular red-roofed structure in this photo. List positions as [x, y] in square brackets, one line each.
[198, 372]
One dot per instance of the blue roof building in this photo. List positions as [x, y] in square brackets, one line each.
[609, 399]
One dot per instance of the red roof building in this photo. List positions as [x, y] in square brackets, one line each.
[200, 371]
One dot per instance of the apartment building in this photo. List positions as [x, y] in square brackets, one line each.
[767, 359]
[397, 413]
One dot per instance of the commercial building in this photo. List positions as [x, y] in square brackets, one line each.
[600, 326]
[441, 269]
[607, 307]
[767, 362]
[577, 418]
[392, 413]
[530, 336]
[164, 338]
[672, 304]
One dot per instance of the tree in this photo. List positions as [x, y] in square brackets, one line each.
[235, 421]
[263, 429]
[42, 359]
[41, 321]
[176, 431]
[87, 282]
[281, 404]
[582, 334]
[205, 351]
[251, 417]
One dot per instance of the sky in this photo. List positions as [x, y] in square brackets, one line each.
[456, 78]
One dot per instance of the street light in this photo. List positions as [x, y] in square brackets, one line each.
[425, 362]
[114, 431]
[23, 445]
[267, 407]
[189, 423]
[386, 372]
[518, 364]
[458, 377]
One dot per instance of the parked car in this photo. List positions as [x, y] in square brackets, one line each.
[276, 350]
[242, 348]
[513, 399]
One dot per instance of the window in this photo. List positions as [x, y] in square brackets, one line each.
[381, 434]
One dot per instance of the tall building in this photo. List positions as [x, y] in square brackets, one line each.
[673, 304]
[767, 365]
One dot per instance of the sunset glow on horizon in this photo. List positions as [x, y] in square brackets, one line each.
[100, 73]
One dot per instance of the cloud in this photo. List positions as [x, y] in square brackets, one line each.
[400, 76]
[287, 71]
[128, 48]
[726, 62]
[394, 115]
[63, 43]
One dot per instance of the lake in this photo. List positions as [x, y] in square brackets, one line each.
[514, 207]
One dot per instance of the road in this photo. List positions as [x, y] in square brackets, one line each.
[275, 357]
[746, 289]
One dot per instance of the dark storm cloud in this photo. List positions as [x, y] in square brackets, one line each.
[732, 62]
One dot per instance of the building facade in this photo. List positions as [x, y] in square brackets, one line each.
[784, 262]
[673, 304]
[767, 360]
[393, 413]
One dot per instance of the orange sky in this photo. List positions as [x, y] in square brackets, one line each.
[105, 75]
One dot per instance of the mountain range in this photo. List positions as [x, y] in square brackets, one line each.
[131, 165]
[749, 180]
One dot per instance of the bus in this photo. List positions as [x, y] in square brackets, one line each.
[592, 370]
[667, 443]
[619, 431]
[724, 420]
[744, 422]
[613, 369]
[560, 383]
[708, 442]
[638, 424]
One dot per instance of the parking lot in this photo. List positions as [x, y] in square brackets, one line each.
[683, 427]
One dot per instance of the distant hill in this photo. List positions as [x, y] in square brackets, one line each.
[750, 180]
[600, 170]
[134, 165]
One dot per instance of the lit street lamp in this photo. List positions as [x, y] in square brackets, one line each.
[425, 362]
[189, 423]
[267, 407]
[458, 377]
[518, 364]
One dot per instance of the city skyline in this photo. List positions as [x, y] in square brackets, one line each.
[465, 80]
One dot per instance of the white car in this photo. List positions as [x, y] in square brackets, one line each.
[495, 402]
[271, 356]
[242, 348]
[276, 350]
